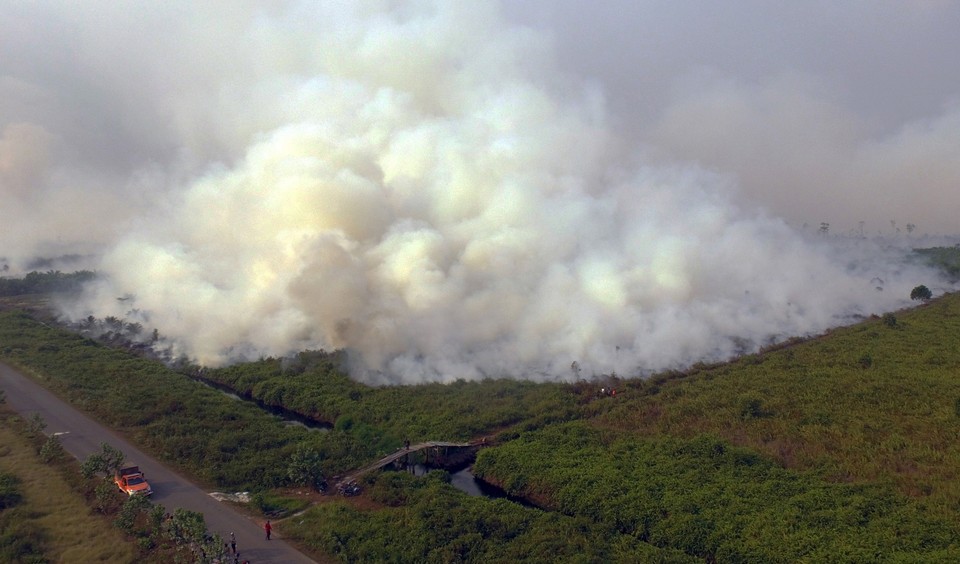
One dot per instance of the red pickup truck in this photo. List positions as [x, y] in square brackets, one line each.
[130, 480]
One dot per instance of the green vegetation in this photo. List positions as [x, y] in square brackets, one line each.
[890, 420]
[306, 469]
[45, 509]
[277, 506]
[921, 293]
[841, 448]
[711, 500]
[52, 281]
[241, 446]
[43, 515]
[245, 448]
[21, 540]
[946, 259]
[427, 520]
[312, 384]
[106, 462]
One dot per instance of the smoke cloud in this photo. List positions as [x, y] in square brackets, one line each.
[431, 187]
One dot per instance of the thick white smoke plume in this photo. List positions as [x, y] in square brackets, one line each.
[416, 182]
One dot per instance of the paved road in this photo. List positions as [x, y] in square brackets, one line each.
[83, 436]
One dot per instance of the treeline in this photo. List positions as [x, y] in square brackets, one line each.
[52, 281]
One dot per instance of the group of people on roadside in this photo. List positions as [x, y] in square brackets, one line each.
[231, 547]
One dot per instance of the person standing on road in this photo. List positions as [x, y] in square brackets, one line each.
[233, 543]
[267, 528]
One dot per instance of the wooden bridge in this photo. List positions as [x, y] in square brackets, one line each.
[403, 453]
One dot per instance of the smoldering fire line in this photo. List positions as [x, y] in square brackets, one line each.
[421, 185]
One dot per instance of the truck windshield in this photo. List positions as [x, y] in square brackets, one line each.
[134, 481]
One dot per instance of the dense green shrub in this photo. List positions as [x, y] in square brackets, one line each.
[427, 520]
[10, 495]
[383, 417]
[21, 539]
[751, 408]
[52, 449]
[710, 499]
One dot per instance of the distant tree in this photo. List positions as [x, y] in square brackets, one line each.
[910, 228]
[921, 293]
[824, 228]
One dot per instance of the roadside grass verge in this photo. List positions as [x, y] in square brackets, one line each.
[70, 531]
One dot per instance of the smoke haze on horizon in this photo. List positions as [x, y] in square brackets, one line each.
[461, 190]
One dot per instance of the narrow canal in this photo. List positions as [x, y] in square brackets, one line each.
[288, 417]
[461, 478]
[464, 480]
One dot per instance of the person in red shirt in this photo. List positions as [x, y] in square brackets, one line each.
[267, 528]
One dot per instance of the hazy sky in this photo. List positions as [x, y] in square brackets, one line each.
[463, 189]
[821, 110]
